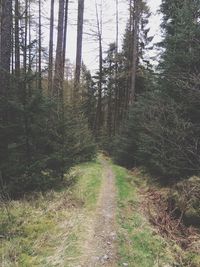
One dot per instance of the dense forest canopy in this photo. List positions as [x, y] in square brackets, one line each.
[56, 114]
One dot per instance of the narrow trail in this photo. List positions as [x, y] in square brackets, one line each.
[100, 246]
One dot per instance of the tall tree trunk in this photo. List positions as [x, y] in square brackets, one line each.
[12, 49]
[25, 100]
[134, 50]
[50, 67]
[58, 80]
[116, 106]
[98, 119]
[79, 46]
[65, 35]
[59, 74]
[5, 60]
[129, 60]
[29, 49]
[109, 115]
[40, 48]
[17, 47]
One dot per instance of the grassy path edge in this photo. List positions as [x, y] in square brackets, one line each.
[47, 228]
[139, 245]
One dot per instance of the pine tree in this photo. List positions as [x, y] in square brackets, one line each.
[163, 127]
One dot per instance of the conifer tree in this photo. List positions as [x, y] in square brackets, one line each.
[163, 127]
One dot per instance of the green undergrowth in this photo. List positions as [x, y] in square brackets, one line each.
[138, 244]
[43, 229]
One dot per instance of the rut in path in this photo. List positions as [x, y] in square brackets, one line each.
[101, 241]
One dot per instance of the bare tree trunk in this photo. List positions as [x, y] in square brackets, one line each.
[109, 115]
[116, 107]
[98, 119]
[17, 47]
[26, 119]
[65, 34]
[40, 49]
[12, 49]
[29, 49]
[58, 81]
[5, 60]
[129, 60]
[50, 67]
[134, 50]
[79, 46]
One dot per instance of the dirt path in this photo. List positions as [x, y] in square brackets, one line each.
[99, 248]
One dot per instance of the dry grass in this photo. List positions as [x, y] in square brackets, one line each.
[45, 229]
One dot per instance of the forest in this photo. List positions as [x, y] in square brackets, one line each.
[135, 111]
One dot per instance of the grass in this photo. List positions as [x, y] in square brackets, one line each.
[87, 189]
[138, 244]
[49, 229]
[45, 229]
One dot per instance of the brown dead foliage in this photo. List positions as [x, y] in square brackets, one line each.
[164, 217]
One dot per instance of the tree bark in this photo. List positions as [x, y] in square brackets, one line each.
[50, 67]
[134, 50]
[40, 49]
[116, 107]
[65, 34]
[24, 86]
[98, 119]
[5, 60]
[58, 80]
[79, 46]
[109, 115]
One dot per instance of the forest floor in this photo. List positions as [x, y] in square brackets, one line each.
[97, 221]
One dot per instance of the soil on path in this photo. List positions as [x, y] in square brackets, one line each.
[100, 246]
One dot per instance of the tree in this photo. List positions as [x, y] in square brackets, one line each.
[17, 42]
[163, 128]
[134, 61]
[99, 119]
[65, 35]
[116, 110]
[5, 55]
[40, 46]
[50, 66]
[88, 96]
[41, 138]
[79, 46]
[58, 79]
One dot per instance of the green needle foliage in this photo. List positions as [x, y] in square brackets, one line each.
[163, 128]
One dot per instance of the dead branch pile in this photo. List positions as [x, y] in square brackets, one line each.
[164, 217]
